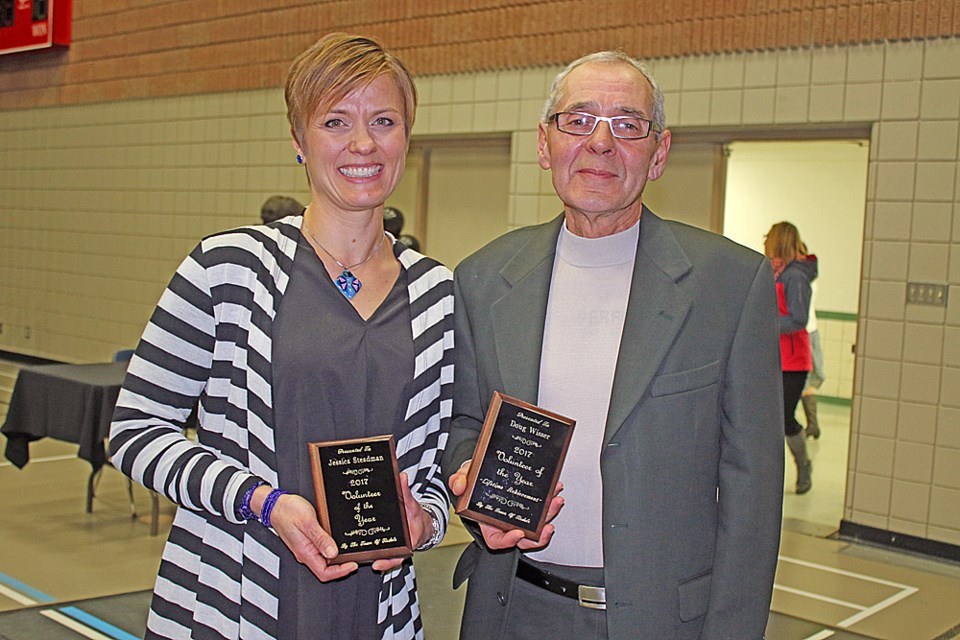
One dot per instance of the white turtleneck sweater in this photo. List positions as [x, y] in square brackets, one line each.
[585, 313]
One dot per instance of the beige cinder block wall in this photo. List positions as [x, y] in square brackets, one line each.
[107, 178]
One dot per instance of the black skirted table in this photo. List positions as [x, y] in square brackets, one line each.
[73, 403]
[69, 402]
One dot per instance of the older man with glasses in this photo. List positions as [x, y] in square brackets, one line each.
[660, 340]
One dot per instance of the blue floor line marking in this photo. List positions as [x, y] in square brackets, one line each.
[97, 623]
[26, 590]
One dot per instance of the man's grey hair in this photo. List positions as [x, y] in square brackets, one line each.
[658, 116]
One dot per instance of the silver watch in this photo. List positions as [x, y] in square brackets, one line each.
[437, 529]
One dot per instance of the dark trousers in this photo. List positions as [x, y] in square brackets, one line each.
[793, 383]
[538, 613]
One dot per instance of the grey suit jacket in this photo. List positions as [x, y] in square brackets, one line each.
[692, 464]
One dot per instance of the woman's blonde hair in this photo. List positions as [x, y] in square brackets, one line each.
[335, 65]
[783, 241]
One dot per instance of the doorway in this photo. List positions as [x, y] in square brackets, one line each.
[454, 195]
[820, 186]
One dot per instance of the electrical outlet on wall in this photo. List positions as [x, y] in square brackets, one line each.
[26, 333]
[927, 293]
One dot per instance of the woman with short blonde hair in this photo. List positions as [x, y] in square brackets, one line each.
[360, 347]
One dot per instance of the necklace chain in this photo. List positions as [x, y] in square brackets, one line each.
[348, 284]
[340, 264]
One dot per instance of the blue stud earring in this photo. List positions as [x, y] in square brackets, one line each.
[299, 159]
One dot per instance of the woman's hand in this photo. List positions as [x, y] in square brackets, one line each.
[496, 538]
[419, 524]
[295, 520]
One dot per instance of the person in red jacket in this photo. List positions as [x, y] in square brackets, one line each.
[794, 272]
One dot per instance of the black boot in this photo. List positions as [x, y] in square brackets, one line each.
[810, 410]
[798, 447]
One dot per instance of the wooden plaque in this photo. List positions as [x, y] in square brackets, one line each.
[516, 466]
[359, 498]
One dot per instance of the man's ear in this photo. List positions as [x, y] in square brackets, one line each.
[659, 161]
[543, 152]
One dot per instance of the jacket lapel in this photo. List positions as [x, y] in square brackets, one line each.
[656, 311]
[519, 315]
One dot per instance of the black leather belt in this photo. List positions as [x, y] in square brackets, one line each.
[587, 595]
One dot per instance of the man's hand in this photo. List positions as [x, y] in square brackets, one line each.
[458, 481]
[295, 520]
[496, 538]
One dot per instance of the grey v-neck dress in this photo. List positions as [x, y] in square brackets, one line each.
[336, 376]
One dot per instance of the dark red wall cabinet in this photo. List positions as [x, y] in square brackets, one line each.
[28, 25]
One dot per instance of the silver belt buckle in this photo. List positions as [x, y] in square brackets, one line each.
[592, 597]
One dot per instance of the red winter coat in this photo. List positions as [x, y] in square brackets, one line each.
[793, 285]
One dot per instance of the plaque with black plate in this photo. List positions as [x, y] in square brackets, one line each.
[359, 498]
[516, 466]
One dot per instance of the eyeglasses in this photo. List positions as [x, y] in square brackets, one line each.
[583, 124]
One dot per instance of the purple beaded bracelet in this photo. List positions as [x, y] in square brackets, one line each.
[268, 505]
[245, 511]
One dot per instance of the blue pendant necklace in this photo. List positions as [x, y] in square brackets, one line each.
[348, 284]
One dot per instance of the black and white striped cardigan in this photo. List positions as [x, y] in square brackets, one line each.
[210, 338]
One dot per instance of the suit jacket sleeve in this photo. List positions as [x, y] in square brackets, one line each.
[751, 472]
[467, 404]
[468, 412]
